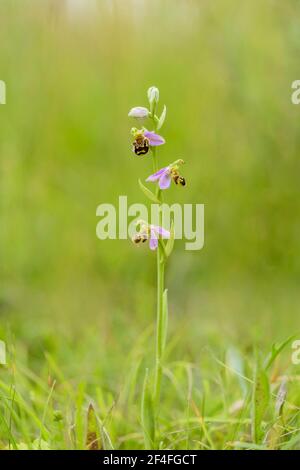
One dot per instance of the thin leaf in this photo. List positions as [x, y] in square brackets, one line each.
[7, 432]
[149, 194]
[79, 418]
[235, 363]
[292, 443]
[276, 350]
[280, 399]
[248, 446]
[276, 434]
[93, 441]
[162, 118]
[274, 437]
[260, 401]
[106, 441]
[147, 415]
[46, 409]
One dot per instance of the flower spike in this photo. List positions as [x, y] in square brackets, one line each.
[143, 140]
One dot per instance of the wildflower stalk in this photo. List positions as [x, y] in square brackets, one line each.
[145, 140]
[160, 261]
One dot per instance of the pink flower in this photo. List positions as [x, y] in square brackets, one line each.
[151, 233]
[143, 139]
[155, 232]
[165, 175]
[154, 139]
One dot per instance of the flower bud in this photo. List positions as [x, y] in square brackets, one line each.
[138, 112]
[153, 96]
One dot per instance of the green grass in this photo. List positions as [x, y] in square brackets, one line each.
[227, 399]
[77, 314]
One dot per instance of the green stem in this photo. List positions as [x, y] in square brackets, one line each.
[160, 290]
[158, 364]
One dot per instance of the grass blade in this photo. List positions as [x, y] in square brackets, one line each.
[147, 415]
[260, 401]
[93, 440]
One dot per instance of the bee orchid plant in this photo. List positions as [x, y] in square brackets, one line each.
[160, 239]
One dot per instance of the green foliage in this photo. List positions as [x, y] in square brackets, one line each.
[93, 440]
[162, 118]
[149, 194]
[260, 401]
[201, 405]
[147, 414]
[76, 312]
[276, 350]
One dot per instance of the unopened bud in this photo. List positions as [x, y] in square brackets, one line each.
[153, 97]
[138, 112]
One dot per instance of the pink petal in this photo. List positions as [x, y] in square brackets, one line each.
[160, 231]
[165, 181]
[154, 139]
[153, 243]
[157, 175]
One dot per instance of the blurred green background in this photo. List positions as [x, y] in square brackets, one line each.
[73, 70]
